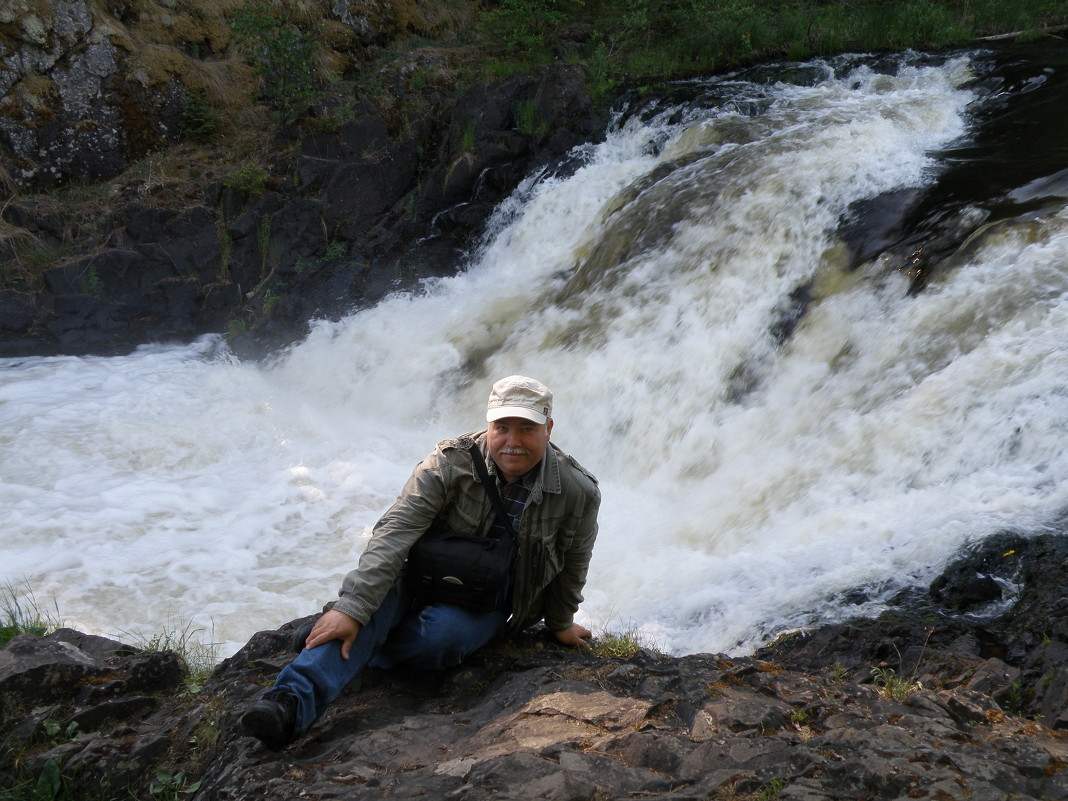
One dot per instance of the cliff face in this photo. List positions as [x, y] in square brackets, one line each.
[922, 703]
[262, 226]
[88, 87]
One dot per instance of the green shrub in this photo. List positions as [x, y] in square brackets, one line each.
[525, 26]
[200, 122]
[249, 179]
[280, 49]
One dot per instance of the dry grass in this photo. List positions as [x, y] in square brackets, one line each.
[193, 21]
[17, 247]
[448, 19]
[228, 84]
[8, 187]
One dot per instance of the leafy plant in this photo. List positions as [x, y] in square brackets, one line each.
[771, 790]
[50, 782]
[1014, 699]
[236, 325]
[280, 48]
[171, 786]
[838, 672]
[57, 732]
[894, 687]
[249, 179]
[270, 300]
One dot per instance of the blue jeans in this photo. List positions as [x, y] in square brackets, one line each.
[432, 637]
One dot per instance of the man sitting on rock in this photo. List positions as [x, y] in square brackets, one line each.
[545, 520]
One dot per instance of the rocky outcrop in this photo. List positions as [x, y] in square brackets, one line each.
[368, 193]
[363, 209]
[394, 217]
[922, 703]
[78, 98]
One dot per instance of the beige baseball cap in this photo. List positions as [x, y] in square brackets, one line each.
[519, 396]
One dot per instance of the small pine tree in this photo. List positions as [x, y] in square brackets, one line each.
[281, 51]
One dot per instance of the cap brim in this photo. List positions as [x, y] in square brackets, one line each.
[500, 412]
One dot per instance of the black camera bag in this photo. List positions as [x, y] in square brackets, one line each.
[464, 569]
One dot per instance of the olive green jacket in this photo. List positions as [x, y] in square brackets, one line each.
[556, 533]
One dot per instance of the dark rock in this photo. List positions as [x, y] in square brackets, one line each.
[119, 709]
[529, 719]
[65, 664]
[368, 209]
[971, 591]
[67, 109]
[18, 311]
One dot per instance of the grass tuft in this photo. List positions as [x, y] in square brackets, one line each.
[894, 687]
[622, 643]
[21, 614]
[180, 636]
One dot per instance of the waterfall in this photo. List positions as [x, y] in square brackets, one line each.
[782, 436]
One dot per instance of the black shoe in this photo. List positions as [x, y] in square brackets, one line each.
[271, 719]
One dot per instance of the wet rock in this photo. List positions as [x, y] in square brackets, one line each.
[531, 719]
[71, 667]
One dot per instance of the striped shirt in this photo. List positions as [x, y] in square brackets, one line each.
[514, 499]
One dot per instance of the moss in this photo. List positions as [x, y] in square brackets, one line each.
[32, 102]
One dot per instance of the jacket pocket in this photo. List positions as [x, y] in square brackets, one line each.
[549, 557]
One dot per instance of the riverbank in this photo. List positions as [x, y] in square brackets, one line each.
[246, 168]
[955, 693]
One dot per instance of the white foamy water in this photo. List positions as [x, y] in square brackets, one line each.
[745, 484]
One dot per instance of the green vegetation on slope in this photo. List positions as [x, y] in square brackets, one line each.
[626, 41]
[251, 66]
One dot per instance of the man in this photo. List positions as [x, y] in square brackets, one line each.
[550, 508]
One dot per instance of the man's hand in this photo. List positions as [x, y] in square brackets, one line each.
[334, 626]
[576, 635]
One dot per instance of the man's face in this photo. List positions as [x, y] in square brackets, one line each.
[516, 444]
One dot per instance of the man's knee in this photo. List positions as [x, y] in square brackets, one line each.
[443, 628]
[454, 632]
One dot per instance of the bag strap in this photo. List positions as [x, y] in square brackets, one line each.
[491, 488]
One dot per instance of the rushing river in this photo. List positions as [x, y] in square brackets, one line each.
[787, 429]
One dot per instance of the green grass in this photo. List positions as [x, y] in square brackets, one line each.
[894, 687]
[615, 646]
[180, 636]
[620, 43]
[622, 643]
[21, 614]
[634, 41]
